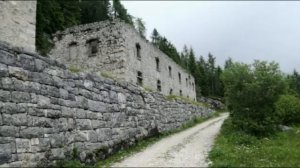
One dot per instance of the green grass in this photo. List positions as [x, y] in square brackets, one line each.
[187, 100]
[74, 69]
[139, 146]
[237, 149]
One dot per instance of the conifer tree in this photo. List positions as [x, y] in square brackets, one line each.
[140, 27]
[155, 36]
[121, 13]
[94, 11]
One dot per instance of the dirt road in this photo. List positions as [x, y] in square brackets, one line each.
[185, 149]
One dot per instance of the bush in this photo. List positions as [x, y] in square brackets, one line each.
[288, 108]
[251, 92]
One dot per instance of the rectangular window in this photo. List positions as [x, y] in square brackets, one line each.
[170, 71]
[140, 78]
[157, 64]
[180, 92]
[72, 50]
[171, 91]
[186, 82]
[179, 77]
[138, 51]
[158, 85]
[92, 47]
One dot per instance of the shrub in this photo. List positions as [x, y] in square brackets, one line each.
[288, 108]
[250, 92]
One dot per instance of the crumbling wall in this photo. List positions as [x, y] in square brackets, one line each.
[18, 19]
[46, 111]
[72, 48]
[117, 57]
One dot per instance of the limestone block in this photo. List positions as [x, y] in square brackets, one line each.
[57, 154]
[31, 132]
[26, 62]
[7, 58]
[6, 83]
[23, 145]
[3, 70]
[15, 119]
[57, 140]
[96, 106]
[8, 131]
[40, 65]
[5, 153]
[83, 124]
[5, 96]
[20, 97]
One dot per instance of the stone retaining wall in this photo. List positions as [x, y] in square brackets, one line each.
[46, 111]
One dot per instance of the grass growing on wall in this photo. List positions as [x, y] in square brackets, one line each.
[237, 149]
[74, 69]
[187, 100]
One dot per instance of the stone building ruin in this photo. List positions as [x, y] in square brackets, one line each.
[116, 49]
[47, 111]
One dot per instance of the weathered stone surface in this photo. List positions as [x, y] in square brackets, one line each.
[96, 106]
[18, 73]
[3, 70]
[5, 153]
[20, 97]
[18, 23]
[31, 132]
[15, 119]
[51, 110]
[5, 96]
[23, 145]
[121, 53]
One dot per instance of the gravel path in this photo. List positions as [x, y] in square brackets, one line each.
[185, 149]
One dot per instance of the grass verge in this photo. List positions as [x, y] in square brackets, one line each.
[237, 149]
[139, 146]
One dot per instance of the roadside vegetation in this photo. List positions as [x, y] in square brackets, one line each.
[263, 128]
[138, 146]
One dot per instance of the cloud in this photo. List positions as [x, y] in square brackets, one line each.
[242, 30]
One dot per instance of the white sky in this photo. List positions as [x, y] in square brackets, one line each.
[242, 30]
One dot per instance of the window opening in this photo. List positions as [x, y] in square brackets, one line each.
[179, 77]
[186, 82]
[138, 51]
[171, 91]
[139, 78]
[158, 85]
[157, 63]
[170, 71]
[93, 47]
[72, 50]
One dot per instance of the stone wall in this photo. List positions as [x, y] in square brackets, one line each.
[46, 111]
[117, 56]
[18, 19]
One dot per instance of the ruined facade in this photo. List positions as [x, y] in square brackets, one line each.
[114, 48]
[18, 21]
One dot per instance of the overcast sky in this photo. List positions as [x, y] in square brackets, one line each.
[242, 30]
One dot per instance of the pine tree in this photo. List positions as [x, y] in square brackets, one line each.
[192, 62]
[94, 11]
[228, 63]
[140, 27]
[54, 15]
[155, 36]
[121, 13]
